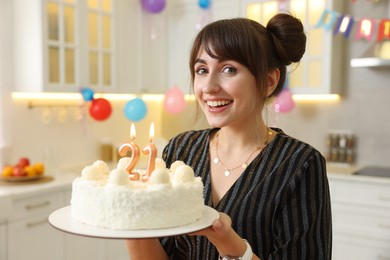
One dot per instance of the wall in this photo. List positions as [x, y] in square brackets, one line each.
[5, 80]
[364, 105]
[363, 109]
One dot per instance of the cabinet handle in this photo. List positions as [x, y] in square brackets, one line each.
[36, 223]
[38, 205]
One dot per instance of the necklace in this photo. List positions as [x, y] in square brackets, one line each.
[227, 171]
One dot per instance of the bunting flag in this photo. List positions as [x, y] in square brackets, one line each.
[365, 28]
[344, 25]
[327, 19]
[384, 30]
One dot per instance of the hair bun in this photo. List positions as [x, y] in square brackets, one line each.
[288, 36]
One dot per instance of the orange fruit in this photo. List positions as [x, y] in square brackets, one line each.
[30, 171]
[7, 171]
[39, 168]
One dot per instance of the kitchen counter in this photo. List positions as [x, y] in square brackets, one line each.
[347, 173]
[59, 181]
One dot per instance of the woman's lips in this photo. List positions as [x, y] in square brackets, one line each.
[218, 105]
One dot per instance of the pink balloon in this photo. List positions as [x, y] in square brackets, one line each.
[174, 101]
[284, 102]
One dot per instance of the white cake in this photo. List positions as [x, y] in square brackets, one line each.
[169, 198]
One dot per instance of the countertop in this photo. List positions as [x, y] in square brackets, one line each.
[347, 173]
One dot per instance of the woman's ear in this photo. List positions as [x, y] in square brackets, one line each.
[272, 81]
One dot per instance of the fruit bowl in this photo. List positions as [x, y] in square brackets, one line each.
[20, 178]
[22, 171]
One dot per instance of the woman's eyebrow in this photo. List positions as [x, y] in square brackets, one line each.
[200, 61]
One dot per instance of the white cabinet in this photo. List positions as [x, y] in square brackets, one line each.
[62, 45]
[34, 238]
[361, 218]
[3, 241]
[185, 16]
[80, 247]
[319, 71]
[30, 236]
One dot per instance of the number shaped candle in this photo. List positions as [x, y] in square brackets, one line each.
[135, 153]
[150, 150]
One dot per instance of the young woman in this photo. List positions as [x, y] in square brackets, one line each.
[271, 189]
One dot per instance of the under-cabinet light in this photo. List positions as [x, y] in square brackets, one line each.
[77, 96]
[317, 97]
[151, 97]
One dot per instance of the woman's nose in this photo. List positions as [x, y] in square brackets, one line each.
[211, 84]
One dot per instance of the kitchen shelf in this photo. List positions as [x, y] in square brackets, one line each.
[370, 62]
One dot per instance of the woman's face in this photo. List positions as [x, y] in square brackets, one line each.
[226, 92]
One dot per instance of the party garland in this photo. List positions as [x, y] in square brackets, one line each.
[365, 27]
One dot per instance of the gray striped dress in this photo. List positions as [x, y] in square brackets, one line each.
[280, 204]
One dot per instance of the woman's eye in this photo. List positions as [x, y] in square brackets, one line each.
[229, 70]
[201, 71]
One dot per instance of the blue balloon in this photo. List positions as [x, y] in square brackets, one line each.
[87, 94]
[135, 110]
[204, 4]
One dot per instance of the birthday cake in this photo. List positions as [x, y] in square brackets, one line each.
[111, 199]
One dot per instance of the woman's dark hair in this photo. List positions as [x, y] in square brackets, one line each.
[261, 49]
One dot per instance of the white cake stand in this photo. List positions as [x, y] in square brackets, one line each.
[61, 219]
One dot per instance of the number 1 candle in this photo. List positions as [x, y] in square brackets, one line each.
[150, 150]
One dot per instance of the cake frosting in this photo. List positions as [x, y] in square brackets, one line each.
[108, 198]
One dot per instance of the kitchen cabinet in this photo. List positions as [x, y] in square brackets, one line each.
[361, 218]
[62, 45]
[319, 71]
[25, 232]
[30, 236]
[185, 20]
[79, 247]
[3, 240]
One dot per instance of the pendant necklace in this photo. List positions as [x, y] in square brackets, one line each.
[227, 171]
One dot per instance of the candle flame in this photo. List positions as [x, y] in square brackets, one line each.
[151, 132]
[132, 131]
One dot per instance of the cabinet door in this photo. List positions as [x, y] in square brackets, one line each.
[78, 247]
[34, 238]
[350, 246]
[117, 250]
[60, 44]
[319, 70]
[3, 241]
[185, 20]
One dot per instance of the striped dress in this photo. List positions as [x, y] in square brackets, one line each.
[280, 203]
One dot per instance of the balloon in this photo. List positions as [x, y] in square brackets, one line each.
[153, 6]
[174, 101]
[284, 102]
[135, 110]
[204, 4]
[100, 109]
[87, 94]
